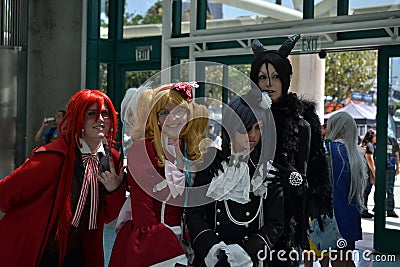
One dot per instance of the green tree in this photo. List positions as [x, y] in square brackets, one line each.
[153, 16]
[137, 78]
[238, 81]
[347, 72]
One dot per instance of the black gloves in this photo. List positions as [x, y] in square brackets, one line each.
[254, 245]
[289, 175]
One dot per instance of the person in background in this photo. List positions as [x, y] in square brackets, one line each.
[242, 213]
[349, 175]
[57, 202]
[50, 134]
[218, 140]
[159, 173]
[368, 144]
[299, 149]
[211, 132]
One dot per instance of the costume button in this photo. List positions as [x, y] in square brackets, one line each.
[246, 237]
[218, 223]
[218, 211]
[246, 225]
[247, 213]
[216, 234]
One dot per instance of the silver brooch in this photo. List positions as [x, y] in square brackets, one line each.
[295, 179]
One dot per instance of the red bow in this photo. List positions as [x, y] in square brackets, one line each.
[186, 89]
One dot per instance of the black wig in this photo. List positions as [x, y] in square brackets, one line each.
[277, 58]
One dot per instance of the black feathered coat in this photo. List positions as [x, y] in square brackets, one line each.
[297, 122]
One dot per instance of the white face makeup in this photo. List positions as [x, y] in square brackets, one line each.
[95, 130]
[247, 141]
[172, 119]
[271, 84]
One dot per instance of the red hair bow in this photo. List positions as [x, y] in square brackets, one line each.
[186, 89]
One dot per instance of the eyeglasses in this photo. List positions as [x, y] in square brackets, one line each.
[93, 114]
[177, 112]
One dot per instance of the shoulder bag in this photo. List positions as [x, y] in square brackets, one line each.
[324, 231]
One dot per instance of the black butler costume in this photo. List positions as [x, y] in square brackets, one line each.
[244, 215]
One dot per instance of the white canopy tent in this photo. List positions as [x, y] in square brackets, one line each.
[363, 114]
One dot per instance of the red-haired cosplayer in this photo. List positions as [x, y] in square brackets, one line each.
[165, 140]
[57, 202]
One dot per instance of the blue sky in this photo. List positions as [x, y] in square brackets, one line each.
[141, 6]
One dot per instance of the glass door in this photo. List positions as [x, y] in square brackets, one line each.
[387, 222]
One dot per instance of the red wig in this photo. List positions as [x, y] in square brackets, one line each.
[73, 123]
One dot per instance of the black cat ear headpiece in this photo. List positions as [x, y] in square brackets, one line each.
[258, 48]
[284, 50]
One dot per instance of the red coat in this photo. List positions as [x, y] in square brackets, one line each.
[31, 199]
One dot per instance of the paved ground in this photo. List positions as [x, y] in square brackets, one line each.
[109, 237]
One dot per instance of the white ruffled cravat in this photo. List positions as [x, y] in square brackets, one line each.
[232, 184]
[174, 179]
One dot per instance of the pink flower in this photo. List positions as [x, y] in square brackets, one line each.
[186, 89]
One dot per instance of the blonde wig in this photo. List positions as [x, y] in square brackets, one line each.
[197, 124]
[162, 96]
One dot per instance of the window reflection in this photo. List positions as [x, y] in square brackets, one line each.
[142, 18]
[239, 13]
[104, 19]
[361, 7]
[103, 77]
[134, 79]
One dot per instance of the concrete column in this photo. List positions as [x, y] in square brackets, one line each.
[54, 59]
[308, 79]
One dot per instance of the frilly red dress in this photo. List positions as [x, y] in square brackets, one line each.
[146, 240]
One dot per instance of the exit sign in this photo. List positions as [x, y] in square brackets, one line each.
[310, 44]
[143, 53]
